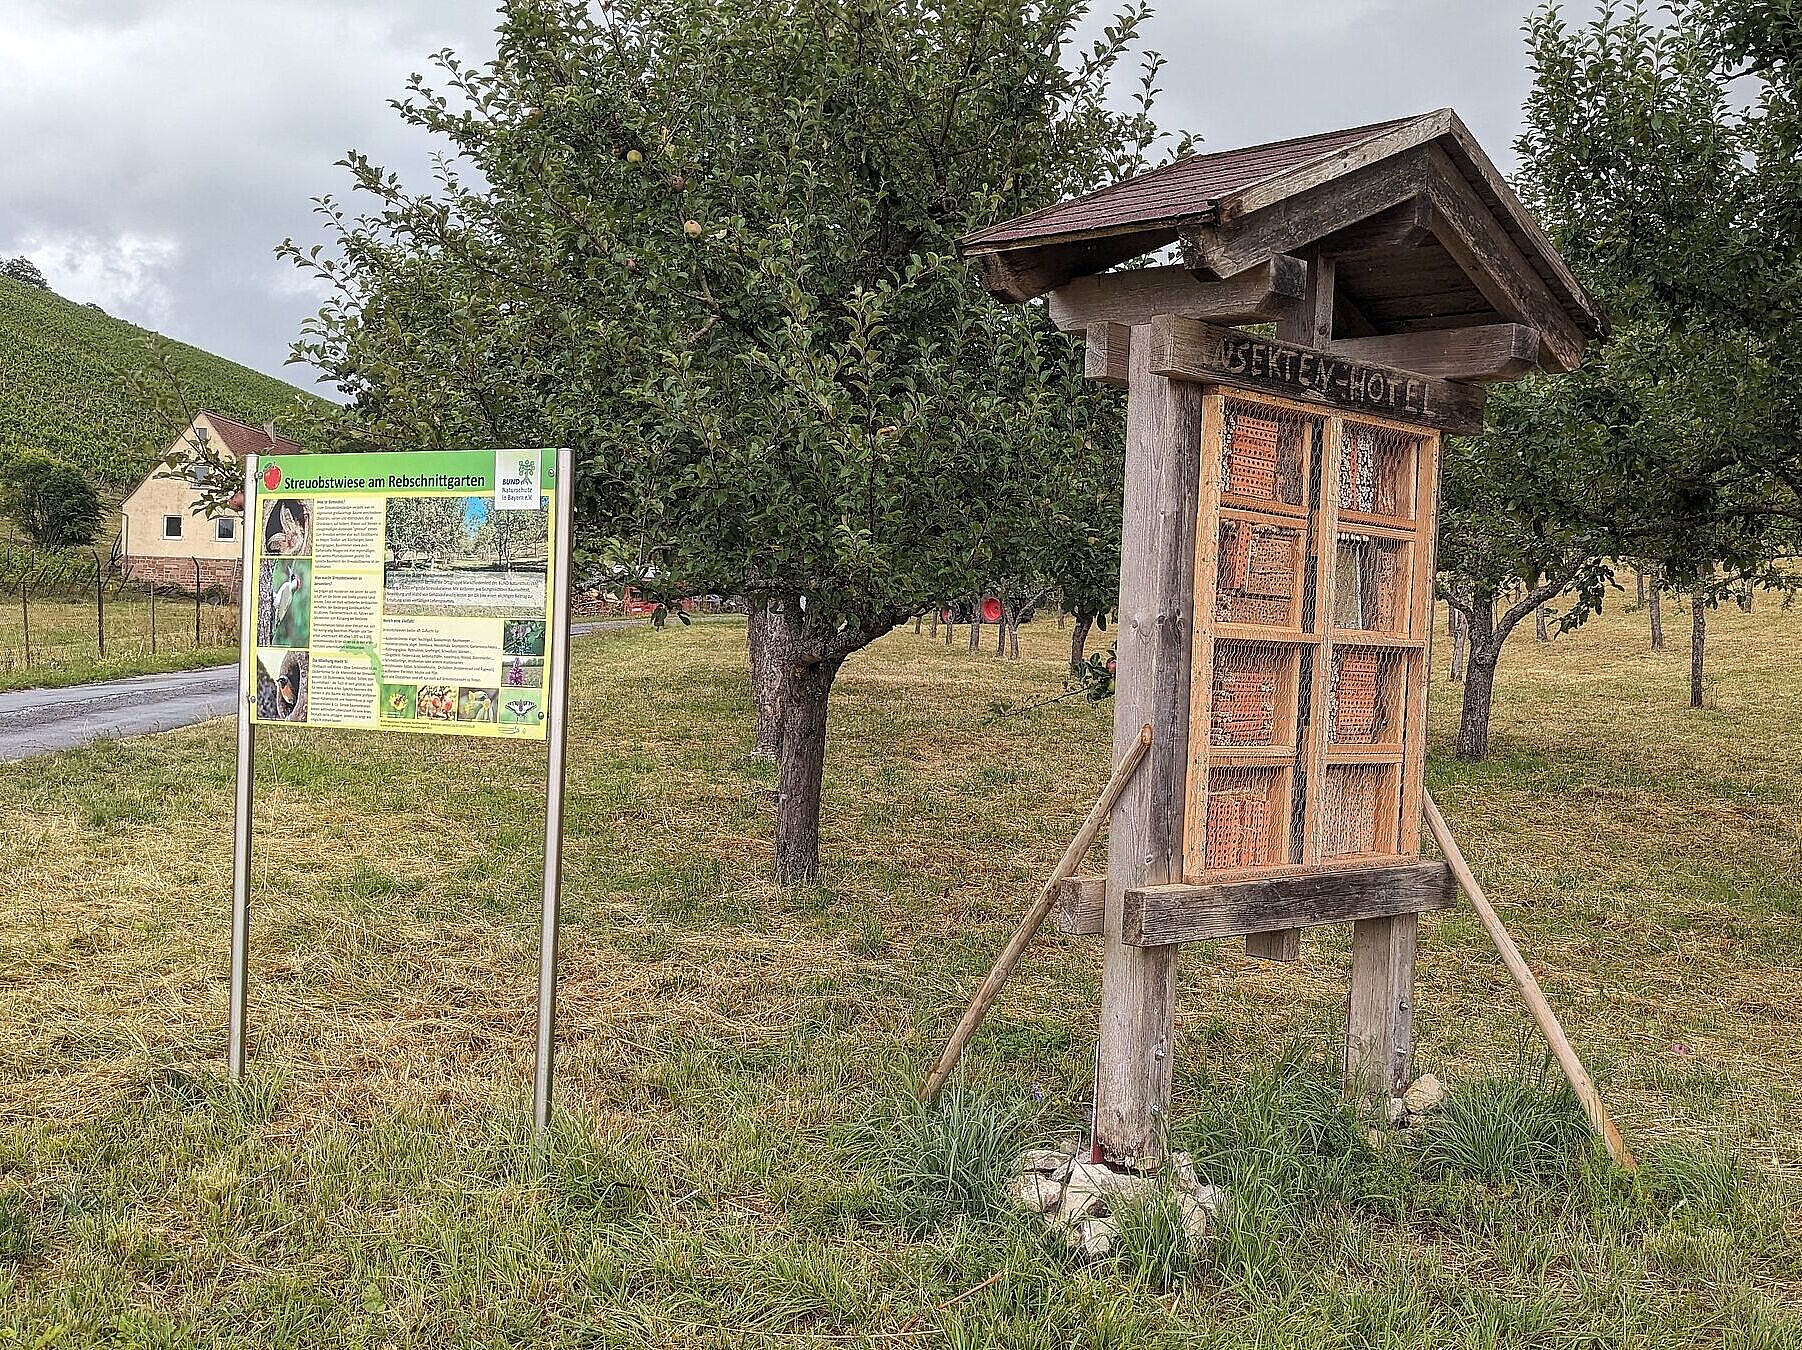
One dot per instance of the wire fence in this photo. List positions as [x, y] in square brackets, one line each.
[82, 607]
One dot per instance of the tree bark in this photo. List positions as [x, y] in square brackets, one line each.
[976, 624]
[950, 625]
[1482, 652]
[918, 620]
[1007, 612]
[935, 622]
[1654, 603]
[1079, 641]
[769, 645]
[1488, 634]
[1541, 628]
[803, 769]
[1698, 645]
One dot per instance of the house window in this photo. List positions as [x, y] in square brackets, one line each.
[225, 529]
[172, 527]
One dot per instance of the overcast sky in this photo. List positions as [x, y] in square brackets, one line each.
[158, 150]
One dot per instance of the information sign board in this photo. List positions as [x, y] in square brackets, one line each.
[404, 591]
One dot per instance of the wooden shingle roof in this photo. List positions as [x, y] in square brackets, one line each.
[1425, 232]
[1167, 196]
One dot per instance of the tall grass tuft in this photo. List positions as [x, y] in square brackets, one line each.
[1290, 1152]
[935, 1162]
[1505, 1129]
[1150, 1244]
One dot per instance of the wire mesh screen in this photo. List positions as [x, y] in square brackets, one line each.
[1264, 454]
[1358, 810]
[1365, 687]
[1260, 573]
[1371, 584]
[1376, 471]
[1247, 811]
[1253, 697]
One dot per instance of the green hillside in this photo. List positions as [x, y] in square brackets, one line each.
[65, 386]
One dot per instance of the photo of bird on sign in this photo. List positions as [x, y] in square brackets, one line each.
[282, 687]
[284, 603]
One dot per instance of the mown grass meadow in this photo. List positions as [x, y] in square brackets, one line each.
[737, 1160]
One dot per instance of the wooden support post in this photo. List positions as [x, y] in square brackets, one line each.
[1157, 573]
[1379, 1026]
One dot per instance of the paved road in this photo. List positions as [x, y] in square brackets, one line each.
[37, 721]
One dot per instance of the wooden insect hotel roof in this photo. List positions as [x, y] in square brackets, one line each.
[1421, 230]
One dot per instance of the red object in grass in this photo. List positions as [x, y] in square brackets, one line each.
[991, 609]
[272, 478]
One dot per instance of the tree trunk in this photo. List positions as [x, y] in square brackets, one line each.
[1743, 598]
[1460, 643]
[803, 769]
[976, 624]
[950, 625]
[1698, 645]
[918, 620]
[1013, 639]
[1639, 587]
[1655, 605]
[1541, 628]
[1485, 648]
[935, 622]
[1079, 641]
[1007, 612]
[769, 644]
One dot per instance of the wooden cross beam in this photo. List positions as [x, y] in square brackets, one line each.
[1260, 294]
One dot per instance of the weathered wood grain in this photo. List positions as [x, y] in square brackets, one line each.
[1145, 840]
[1483, 355]
[1105, 353]
[1080, 902]
[1479, 244]
[1379, 1024]
[1290, 224]
[1155, 916]
[1257, 295]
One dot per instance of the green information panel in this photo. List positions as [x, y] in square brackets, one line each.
[404, 592]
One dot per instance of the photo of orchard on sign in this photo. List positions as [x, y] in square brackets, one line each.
[1276, 576]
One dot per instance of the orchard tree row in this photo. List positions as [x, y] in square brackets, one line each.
[711, 245]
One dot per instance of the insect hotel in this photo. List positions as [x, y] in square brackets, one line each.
[1276, 579]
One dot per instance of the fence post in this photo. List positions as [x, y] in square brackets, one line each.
[197, 603]
[153, 618]
[25, 611]
[99, 603]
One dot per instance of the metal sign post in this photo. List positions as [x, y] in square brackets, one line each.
[247, 685]
[558, 697]
[393, 681]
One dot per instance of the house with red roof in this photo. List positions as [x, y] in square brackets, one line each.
[164, 537]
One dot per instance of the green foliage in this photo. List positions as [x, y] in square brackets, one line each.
[712, 245]
[1679, 207]
[715, 250]
[71, 386]
[24, 270]
[49, 498]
